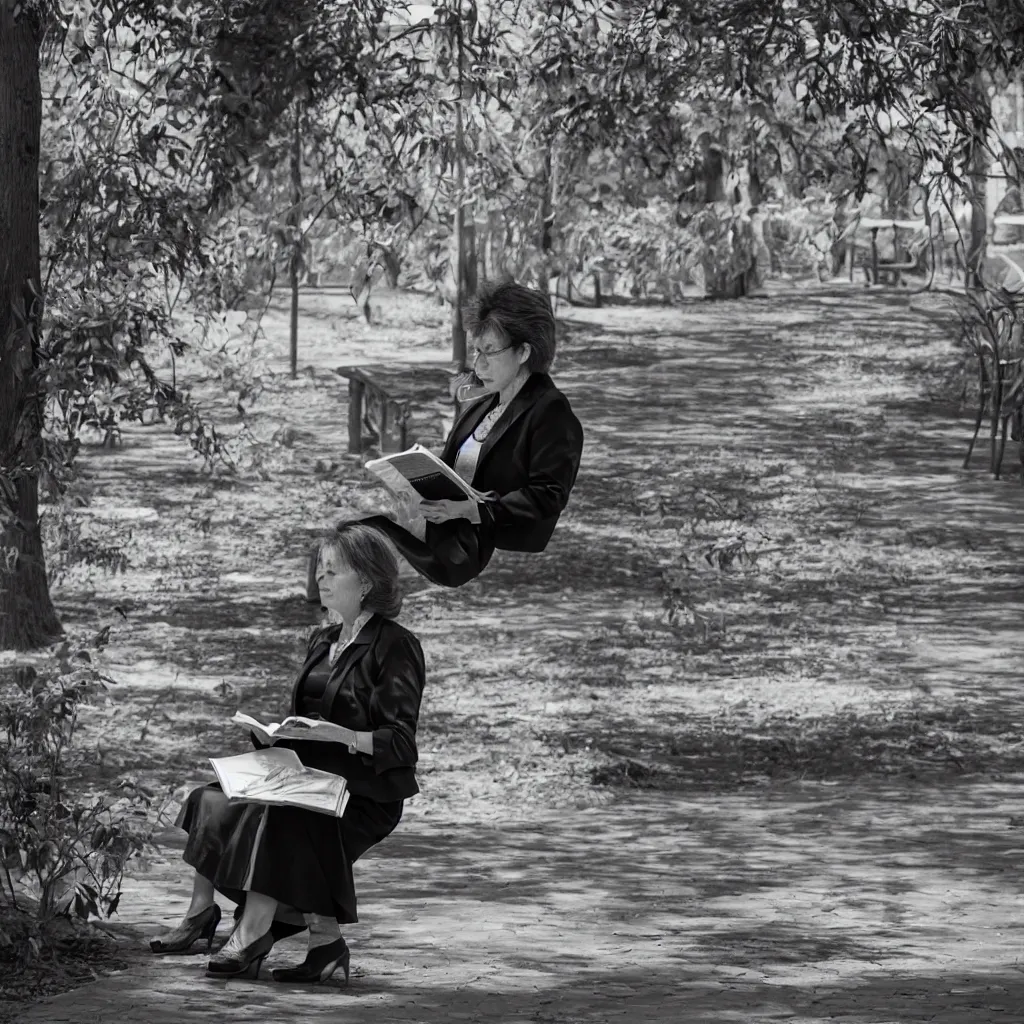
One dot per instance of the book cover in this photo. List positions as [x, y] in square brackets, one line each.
[417, 471]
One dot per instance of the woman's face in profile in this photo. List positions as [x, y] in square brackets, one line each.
[340, 586]
[495, 363]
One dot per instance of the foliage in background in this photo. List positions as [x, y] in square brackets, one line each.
[991, 326]
[122, 227]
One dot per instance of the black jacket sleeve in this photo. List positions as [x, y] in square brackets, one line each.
[555, 449]
[395, 705]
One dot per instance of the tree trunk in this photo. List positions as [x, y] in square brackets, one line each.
[979, 221]
[295, 259]
[761, 257]
[470, 270]
[841, 251]
[547, 217]
[978, 169]
[719, 282]
[293, 324]
[714, 174]
[458, 330]
[392, 265]
[488, 257]
[467, 276]
[27, 615]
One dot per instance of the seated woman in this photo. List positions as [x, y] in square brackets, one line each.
[292, 867]
[519, 442]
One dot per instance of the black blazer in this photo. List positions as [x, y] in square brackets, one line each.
[375, 687]
[530, 458]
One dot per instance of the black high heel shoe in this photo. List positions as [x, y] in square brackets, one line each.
[241, 963]
[200, 926]
[319, 965]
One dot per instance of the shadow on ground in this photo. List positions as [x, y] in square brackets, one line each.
[808, 903]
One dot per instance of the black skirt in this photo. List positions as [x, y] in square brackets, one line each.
[450, 554]
[300, 858]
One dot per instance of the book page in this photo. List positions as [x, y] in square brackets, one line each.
[243, 719]
[316, 791]
[235, 774]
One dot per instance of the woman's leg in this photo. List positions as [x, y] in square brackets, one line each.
[322, 930]
[200, 921]
[207, 805]
[203, 895]
[255, 922]
[367, 823]
[451, 554]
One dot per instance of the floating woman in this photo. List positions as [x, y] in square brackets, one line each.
[519, 442]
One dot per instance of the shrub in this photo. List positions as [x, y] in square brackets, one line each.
[63, 851]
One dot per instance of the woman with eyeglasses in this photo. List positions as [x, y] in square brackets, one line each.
[289, 869]
[519, 442]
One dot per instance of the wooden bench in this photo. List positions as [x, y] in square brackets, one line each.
[395, 404]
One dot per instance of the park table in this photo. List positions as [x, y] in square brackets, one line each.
[1000, 251]
[1008, 220]
[876, 224]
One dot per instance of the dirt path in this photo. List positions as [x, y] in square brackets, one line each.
[800, 903]
[653, 789]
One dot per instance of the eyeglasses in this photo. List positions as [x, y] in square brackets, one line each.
[479, 353]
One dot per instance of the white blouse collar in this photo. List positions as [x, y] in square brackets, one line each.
[357, 627]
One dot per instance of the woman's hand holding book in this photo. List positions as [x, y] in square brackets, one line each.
[296, 727]
[324, 731]
[442, 510]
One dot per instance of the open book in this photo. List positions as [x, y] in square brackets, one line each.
[296, 728]
[419, 473]
[277, 776]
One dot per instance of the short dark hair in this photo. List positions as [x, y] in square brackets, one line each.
[368, 552]
[518, 315]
